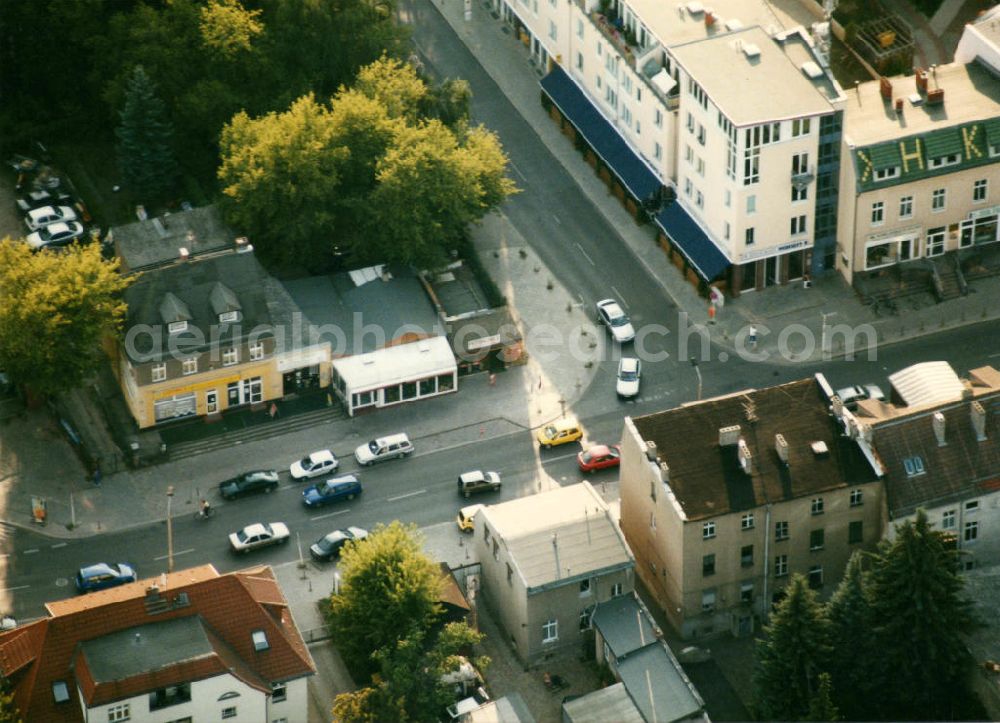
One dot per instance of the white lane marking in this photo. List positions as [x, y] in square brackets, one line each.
[558, 221]
[556, 459]
[517, 170]
[328, 514]
[12, 589]
[176, 554]
[30, 552]
[620, 297]
[585, 254]
[61, 544]
[403, 497]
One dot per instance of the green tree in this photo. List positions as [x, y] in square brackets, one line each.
[388, 589]
[55, 311]
[852, 654]
[791, 657]
[408, 686]
[145, 140]
[9, 712]
[923, 664]
[230, 28]
[821, 707]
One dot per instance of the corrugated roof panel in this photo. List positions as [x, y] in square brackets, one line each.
[927, 383]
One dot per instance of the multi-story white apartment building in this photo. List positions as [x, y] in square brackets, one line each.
[731, 109]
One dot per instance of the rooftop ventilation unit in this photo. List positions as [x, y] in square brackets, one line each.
[812, 71]
[734, 24]
[695, 8]
[751, 50]
[819, 448]
[916, 99]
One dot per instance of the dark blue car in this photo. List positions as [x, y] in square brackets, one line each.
[332, 490]
[103, 575]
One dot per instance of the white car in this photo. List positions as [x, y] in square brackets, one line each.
[629, 374]
[55, 234]
[850, 396]
[259, 535]
[315, 465]
[36, 218]
[610, 313]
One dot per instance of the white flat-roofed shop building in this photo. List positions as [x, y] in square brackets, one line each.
[731, 108]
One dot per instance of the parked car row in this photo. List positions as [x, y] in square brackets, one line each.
[53, 218]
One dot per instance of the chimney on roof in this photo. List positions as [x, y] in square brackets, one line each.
[709, 18]
[979, 421]
[729, 436]
[663, 472]
[885, 88]
[745, 457]
[183, 254]
[651, 450]
[243, 245]
[781, 446]
[938, 421]
[838, 406]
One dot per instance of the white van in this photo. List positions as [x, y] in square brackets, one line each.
[383, 448]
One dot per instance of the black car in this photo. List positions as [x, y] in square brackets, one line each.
[249, 483]
[329, 546]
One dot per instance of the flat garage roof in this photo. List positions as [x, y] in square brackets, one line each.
[396, 364]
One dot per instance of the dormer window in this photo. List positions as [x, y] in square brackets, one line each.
[951, 159]
[259, 638]
[229, 317]
[230, 356]
[884, 174]
[60, 693]
[914, 466]
[176, 327]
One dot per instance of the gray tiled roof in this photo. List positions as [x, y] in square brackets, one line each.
[963, 467]
[657, 685]
[159, 239]
[707, 478]
[623, 625]
[607, 704]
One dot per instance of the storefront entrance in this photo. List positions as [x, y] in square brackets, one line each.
[300, 380]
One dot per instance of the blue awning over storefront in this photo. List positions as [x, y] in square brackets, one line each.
[600, 134]
[698, 249]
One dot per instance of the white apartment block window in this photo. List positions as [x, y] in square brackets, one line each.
[798, 225]
[690, 123]
[746, 522]
[938, 198]
[979, 189]
[971, 506]
[857, 498]
[698, 93]
[948, 520]
[816, 577]
[159, 372]
[579, 60]
[579, 27]
[598, 82]
[279, 692]
[878, 213]
[230, 356]
[626, 115]
[884, 174]
[701, 134]
[610, 97]
[780, 531]
[552, 30]
[550, 631]
[688, 188]
[726, 230]
[119, 712]
[708, 531]
[800, 164]
[800, 127]
[800, 193]
[610, 64]
[658, 118]
[638, 128]
[190, 366]
[935, 241]
[700, 167]
[600, 48]
[751, 166]
[971, 531]
[652, 520]
[942, 161]
[751, 204]
[616, 589]
[727, 198]
[229, 712]
[699, 200]
[906, 207]
[657, 152]
[708, 600]
[748, 238]
[781, 565]
[817, 506]
[688, 154]
[627, 82]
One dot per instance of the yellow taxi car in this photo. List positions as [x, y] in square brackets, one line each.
[467, 517]
[559, 432]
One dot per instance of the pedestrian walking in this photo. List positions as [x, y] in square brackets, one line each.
[97, 476]
[711, 313]
[752, 337]
[493, 379]
[273, 411]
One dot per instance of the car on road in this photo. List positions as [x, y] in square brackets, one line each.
[850, 396]
[611, 314]
[103, 575]
[258, 535]
[561, 432]
[600, 456]
[332, 490]
[38, 218]
[383, 448]
[629, 376]
[329, 546]
[471, 483]
[315, 465]
[466, 519]
[248, 483]
[55, 235]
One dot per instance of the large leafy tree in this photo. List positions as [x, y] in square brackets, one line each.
[55, 310]
[920, 617]
[389, 588]
[408, 684]
[145, 140]
[791, 656]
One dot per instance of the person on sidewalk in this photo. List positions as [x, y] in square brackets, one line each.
[97, 476]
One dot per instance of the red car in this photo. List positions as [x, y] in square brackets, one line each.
[600, 456]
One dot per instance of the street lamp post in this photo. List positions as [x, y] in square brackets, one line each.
[694, 363]
[822, 335]
[170, 531]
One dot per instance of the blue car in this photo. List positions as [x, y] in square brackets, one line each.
[103, 575]
[331, 490]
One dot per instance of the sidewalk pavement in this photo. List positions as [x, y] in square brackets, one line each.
[789, 319]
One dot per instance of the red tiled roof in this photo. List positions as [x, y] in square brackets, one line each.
[230, 607]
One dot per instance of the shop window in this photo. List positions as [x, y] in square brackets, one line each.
[446, 382]
[409, 390]
[391, 394]
[427, 386]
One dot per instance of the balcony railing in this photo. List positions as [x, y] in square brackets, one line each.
[617, 36]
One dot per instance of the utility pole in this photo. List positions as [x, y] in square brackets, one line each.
[822, 335]
[694, 363]
[170, 531]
